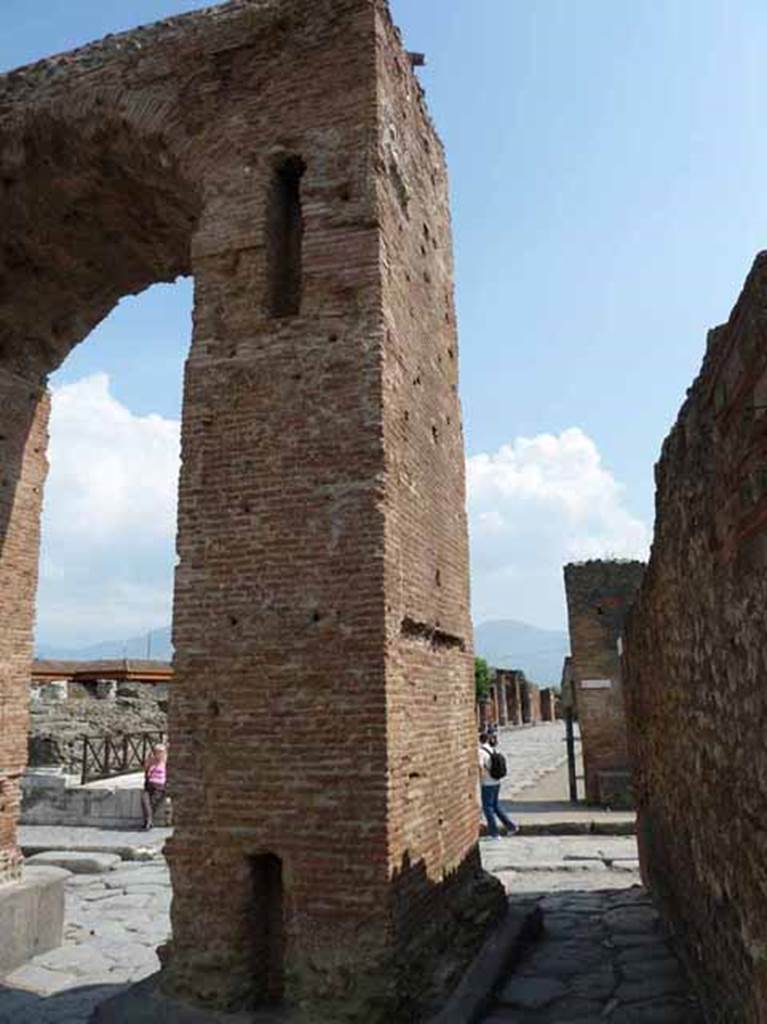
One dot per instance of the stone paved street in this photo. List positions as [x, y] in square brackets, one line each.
[531, 754]
[596, 924]
[603, 959]
[114, 922]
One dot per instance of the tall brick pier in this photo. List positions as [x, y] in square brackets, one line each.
[322, 764]
[599, 596]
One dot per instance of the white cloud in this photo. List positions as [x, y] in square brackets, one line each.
[109, 518]
[534, 505]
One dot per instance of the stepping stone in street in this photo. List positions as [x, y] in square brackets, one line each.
[40, 980]
[79, 863]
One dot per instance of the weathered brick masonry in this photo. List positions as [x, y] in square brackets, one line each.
[599, 594]
[322, 761]
[23, 441]
[696, 665]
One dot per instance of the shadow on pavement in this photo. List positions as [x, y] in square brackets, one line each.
[73, 1006]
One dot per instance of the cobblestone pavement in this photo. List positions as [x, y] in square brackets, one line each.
[603, 959]
[115, 919]
[114, 922]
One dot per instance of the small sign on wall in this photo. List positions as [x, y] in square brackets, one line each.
[596, 684]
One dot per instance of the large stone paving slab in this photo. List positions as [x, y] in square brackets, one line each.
[130, 845]
[77, 862]
[547, 864]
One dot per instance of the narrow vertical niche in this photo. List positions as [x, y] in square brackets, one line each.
[268, 928]
[285, 230]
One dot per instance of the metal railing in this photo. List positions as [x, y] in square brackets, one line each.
[105, 757]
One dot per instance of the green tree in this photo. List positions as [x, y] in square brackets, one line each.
[482, 678]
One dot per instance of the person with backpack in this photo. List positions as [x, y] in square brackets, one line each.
[492, 768]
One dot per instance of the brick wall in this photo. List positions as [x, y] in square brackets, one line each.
[599, 595]
[23, 423]
[696, 663]
[322, 728]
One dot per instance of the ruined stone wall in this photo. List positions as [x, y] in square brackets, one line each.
[696, 664]
[599, 595]
[23, 439]
[56, 727]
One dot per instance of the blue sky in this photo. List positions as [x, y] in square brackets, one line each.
[607, 162]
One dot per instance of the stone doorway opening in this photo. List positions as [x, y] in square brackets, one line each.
[267, 929]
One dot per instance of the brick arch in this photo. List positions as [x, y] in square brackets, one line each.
[323, 687]
[93, 208]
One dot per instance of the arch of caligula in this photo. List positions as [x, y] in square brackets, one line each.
[322, 753]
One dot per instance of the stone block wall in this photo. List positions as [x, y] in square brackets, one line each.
[56, 799]
[696, 665]
[282, 154]
[599, 595]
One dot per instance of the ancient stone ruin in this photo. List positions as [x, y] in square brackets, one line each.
[72, 700]
[322, 755]
[696, 665]
[599, 596]
[514, 700]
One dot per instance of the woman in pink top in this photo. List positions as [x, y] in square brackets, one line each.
[154, 783]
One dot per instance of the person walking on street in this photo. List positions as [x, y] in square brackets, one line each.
[492, 768]
[153, 793]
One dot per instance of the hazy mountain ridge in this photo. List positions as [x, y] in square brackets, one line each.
[505, 643]
[155, 644]
[508, 643]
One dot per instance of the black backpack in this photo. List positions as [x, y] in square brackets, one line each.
[498, 769]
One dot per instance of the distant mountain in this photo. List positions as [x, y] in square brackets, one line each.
[155, 645]
[506, 643]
